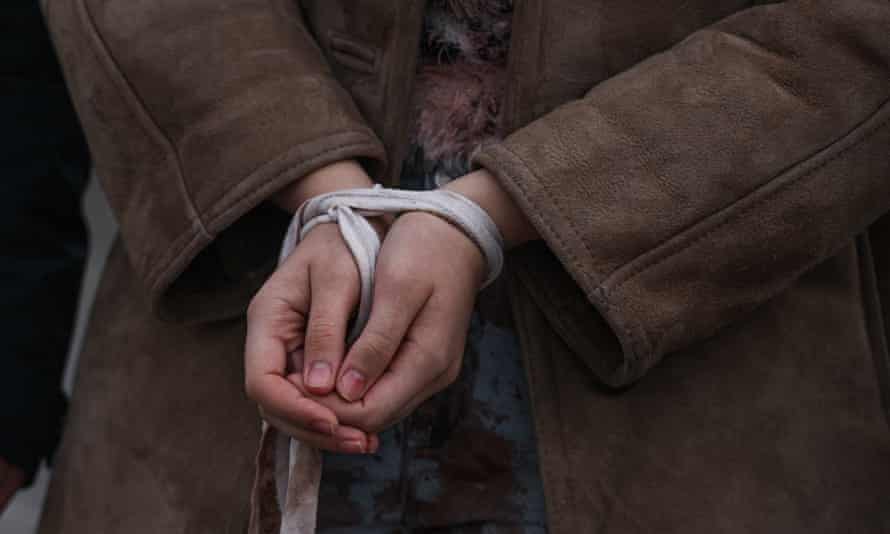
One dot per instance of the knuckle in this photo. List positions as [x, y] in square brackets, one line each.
[267, 303]
[344, 267]
[333, 259]
[375, 422]
[439, 360]
[322, 327]
[340, 285]
[401, 276]
[322, 334]
[376, 346]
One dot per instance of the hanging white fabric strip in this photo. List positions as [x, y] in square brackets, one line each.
[297, 466]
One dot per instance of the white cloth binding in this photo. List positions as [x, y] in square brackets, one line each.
[297, 466]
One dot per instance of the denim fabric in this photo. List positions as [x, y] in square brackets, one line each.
[464, 462]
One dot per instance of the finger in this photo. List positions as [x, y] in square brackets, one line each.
[345, 440]
[279, 398]
[290, 280]
[414, 376]
[341, 433]
[276, 320]
[333, 402]
[356, 412]
[273, 330]
[371, 416]
[271, 323]
[428, 360]
[396, 304]
[411, 379]
[338, 406]
[334, 296]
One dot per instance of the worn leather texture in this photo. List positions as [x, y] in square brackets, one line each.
[704, 322]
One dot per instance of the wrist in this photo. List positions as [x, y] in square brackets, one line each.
[483, 188]
[347, 174]
[462, 249]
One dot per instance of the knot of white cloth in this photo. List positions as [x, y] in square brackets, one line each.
[351, 208]
[297, 466]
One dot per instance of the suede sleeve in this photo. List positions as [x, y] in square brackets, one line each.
[196, 112]
[688, 190]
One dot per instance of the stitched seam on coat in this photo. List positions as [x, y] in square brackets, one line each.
[535, 214]
[218, 204]
[621, 279]
[163, 262]
[176, 247]
[114, 72]
[556, 209]
[165, 269]
[637, 344]
[633, 344]
[179, 244]
[614, 377]
[158, 277]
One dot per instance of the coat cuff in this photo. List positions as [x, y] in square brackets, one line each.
[213, 269]
[553, 275]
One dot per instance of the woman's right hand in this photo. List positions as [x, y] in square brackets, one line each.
[297, 323]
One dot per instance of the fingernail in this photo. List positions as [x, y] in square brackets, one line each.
[323, 427]
[354, 447]
[319, 375]
[352, 384]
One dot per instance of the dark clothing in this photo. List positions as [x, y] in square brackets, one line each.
[44, 167]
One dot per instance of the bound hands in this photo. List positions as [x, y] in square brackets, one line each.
[428, 273]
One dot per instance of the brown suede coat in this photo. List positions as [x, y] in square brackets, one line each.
[704, 324]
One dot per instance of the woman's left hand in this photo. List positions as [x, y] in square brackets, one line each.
[427, 277]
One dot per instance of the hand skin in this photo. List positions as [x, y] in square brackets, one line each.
[302, 312]
[428, 274]
[484, 189]
[12, 479]
[334, 177]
